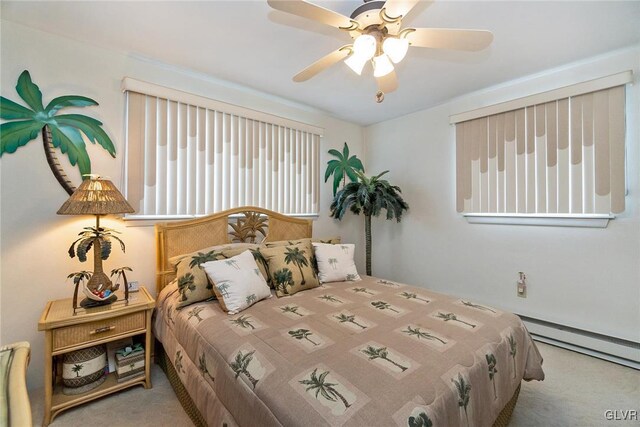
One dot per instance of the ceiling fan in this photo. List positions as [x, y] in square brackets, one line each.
[379, 38]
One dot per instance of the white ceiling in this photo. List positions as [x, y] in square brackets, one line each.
[248, 43]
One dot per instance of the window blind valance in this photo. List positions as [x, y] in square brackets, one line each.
[189, 156]
[564, 156]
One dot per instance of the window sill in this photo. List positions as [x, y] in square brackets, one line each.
[548, 220]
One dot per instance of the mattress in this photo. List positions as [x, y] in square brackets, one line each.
[373, 352]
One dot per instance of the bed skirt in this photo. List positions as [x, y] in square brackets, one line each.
[192, 411]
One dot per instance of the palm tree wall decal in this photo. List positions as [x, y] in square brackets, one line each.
[464, 393]
[325, 389]
[369, 195]
[202, 366]
[303, 334]
[350, 318]
[491, 364]
[243, 322]
[450, 316]
[422, 420]
[342, 167]
[478, 306]
[416, 332]
[381, 305]
[58, 131]
[381, 353]
[513, 349]
[283, 278]
[296, 256]
[291, 309]
[240, 365]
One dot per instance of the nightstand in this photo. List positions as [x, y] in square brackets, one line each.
[65, 332]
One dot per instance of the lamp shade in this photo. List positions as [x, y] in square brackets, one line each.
[395, 48]
[365, 46]
[382, 66]
[356, 63]
[96, 196]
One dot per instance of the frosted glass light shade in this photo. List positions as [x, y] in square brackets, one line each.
[365, 46]
[356, 63]
[395, 48]
[382, 66]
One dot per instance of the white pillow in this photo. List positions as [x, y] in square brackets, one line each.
[237, 282]
[335, 262]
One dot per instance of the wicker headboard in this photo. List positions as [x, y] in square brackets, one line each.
[245, 224]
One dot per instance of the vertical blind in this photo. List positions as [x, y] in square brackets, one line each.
[185, 159]
[564, 156]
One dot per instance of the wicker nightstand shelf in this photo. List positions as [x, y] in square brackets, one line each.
[65, 332]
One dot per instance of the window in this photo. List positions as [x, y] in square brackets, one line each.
[545, 155]
[188, 156]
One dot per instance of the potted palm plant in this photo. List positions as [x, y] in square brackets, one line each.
[369, 196]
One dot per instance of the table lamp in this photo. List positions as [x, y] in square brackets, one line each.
[96, 196]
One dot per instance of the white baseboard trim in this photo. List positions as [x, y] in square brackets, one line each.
[612, 349]
[588, 352]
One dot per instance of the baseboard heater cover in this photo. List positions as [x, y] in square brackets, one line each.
[614, 349]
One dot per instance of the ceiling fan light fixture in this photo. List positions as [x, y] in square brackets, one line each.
[365, 46]
[395, 48]
[382, 66]
[356, 63]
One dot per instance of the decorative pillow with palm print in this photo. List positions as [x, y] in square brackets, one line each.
[256, 251]
[193, 284]
[314, 264]
[335, 262]
[291, 268]
[237, 282]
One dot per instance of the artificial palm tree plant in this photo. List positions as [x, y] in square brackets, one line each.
[369, 195]
[62, 131]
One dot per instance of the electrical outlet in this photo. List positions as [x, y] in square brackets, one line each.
[521, 287]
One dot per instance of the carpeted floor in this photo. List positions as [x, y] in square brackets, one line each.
[577, 391]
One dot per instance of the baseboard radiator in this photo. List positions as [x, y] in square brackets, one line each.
[613, 349]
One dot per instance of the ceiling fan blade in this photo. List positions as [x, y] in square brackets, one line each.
[388, 83]
[314, 12]
[399, 8]
[323, 63]
[449, 38]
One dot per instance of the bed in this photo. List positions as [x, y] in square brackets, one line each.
[372, 352]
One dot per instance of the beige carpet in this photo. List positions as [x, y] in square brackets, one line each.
[577, 392]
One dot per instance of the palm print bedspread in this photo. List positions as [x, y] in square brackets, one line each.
[372, 352]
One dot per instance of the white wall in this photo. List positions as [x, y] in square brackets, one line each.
[585, 278]
[34, 240]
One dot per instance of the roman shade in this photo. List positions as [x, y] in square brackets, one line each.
[188, 155]
[559, 156]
